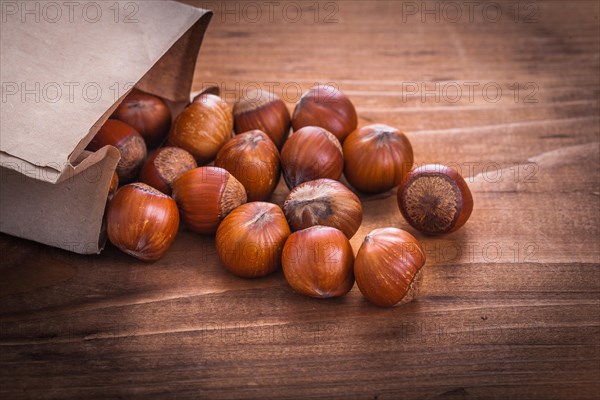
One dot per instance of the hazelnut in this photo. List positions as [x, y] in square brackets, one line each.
[262, 110]
[250, 239]
[254, 160]
[166, 165]
[323, 202]
[129, 143]
[327, 107]
[386, 265]
[205, 195]
[141, 221]
[311, 153]
[202, 128]
[377, 158]
[435, 199]
[147, 114]
[317, 262]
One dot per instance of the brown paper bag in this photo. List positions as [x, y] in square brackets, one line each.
[64, 67]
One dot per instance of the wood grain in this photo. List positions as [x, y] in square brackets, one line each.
[509, 306]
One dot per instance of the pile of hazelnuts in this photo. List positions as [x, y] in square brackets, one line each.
[249, 147]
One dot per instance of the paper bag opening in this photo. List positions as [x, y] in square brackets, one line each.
[52, 191]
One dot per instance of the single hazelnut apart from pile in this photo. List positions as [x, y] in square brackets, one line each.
[435, 199]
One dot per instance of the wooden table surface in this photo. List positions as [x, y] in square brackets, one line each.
[508, 306]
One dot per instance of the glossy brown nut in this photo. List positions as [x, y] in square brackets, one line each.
[387, 264]
[165, 166]
[205, 195]
[377, 157]
[250, 239]
[435, 199]
[254, 160]
[129, 143]
[323, 202]
[202, 128]
[327, 107]
[141, 221]
[147, 114]
[311, 153]
[264, 111]
[114, 185]
[317, 262]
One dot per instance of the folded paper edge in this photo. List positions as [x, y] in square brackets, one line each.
[59, 173]
[68, 215]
